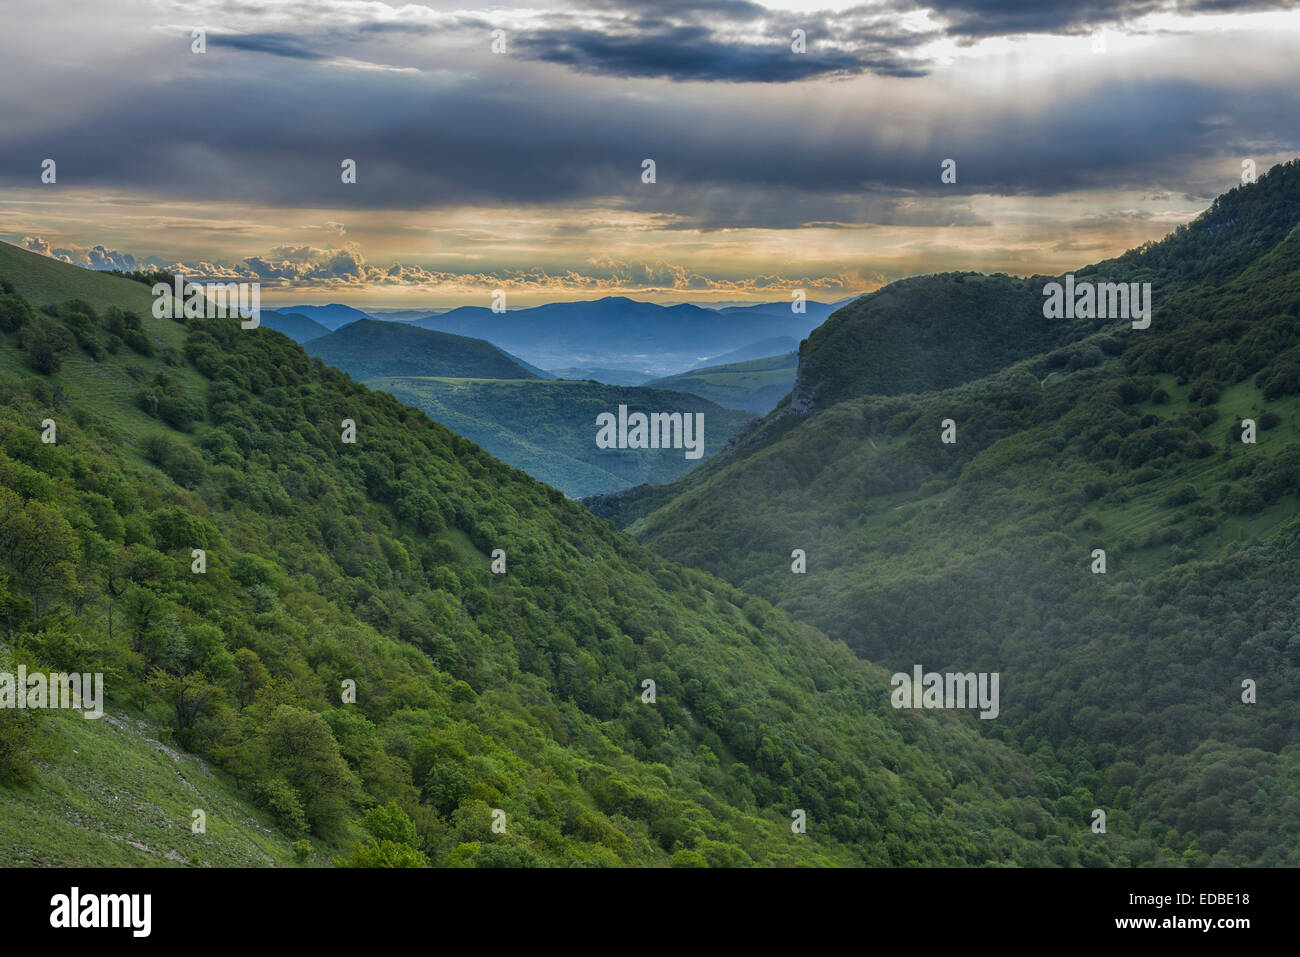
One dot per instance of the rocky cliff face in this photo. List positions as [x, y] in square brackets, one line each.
[801, 394]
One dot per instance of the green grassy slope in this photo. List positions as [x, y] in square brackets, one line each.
[116, 377]
[113, 795]
[41, 279]
[335, 567]
[1125, 686]
[548, 428]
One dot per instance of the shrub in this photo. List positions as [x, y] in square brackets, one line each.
[1243, 499]
[44, 345]
[179, 461]
[14, 313]
[279, 797]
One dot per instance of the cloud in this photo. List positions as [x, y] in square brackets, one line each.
[555, 131]
[724, 41]
[346, 268]
[737, 42]
[506, 132]
[978, 19]
[276, 44]
[291, 47]
[696, 51]
[92, 257]
[725, 161]
[743, 42]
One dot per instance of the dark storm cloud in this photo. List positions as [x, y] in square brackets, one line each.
[977, 19]
[276, 44]
[709, 42]
[502, 131]
[735, 41]
[725, 42]
[733, 9]
[694, 52]
[722, 161]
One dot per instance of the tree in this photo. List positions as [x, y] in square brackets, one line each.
[390, 823]
[23, 739]
[446, 786]
[38, 545]
[394, 841]
[189, 696]
[689, 858]
[252, 676]
[144, 612]
[297, 745]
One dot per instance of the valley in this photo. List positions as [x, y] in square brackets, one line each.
[366, 566]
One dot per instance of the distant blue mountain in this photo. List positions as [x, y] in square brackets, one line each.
[297, 327]
[814, 314]
[332, 317]
[401, 315]
[616, 331]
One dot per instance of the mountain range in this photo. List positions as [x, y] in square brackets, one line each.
[620, 332]
[614, 340]
[334, 316]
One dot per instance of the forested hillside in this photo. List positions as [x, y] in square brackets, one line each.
[548, 428]
[936, 332]
[1125, 685]
[333, 569]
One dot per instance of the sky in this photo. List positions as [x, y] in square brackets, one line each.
[1078, 129]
